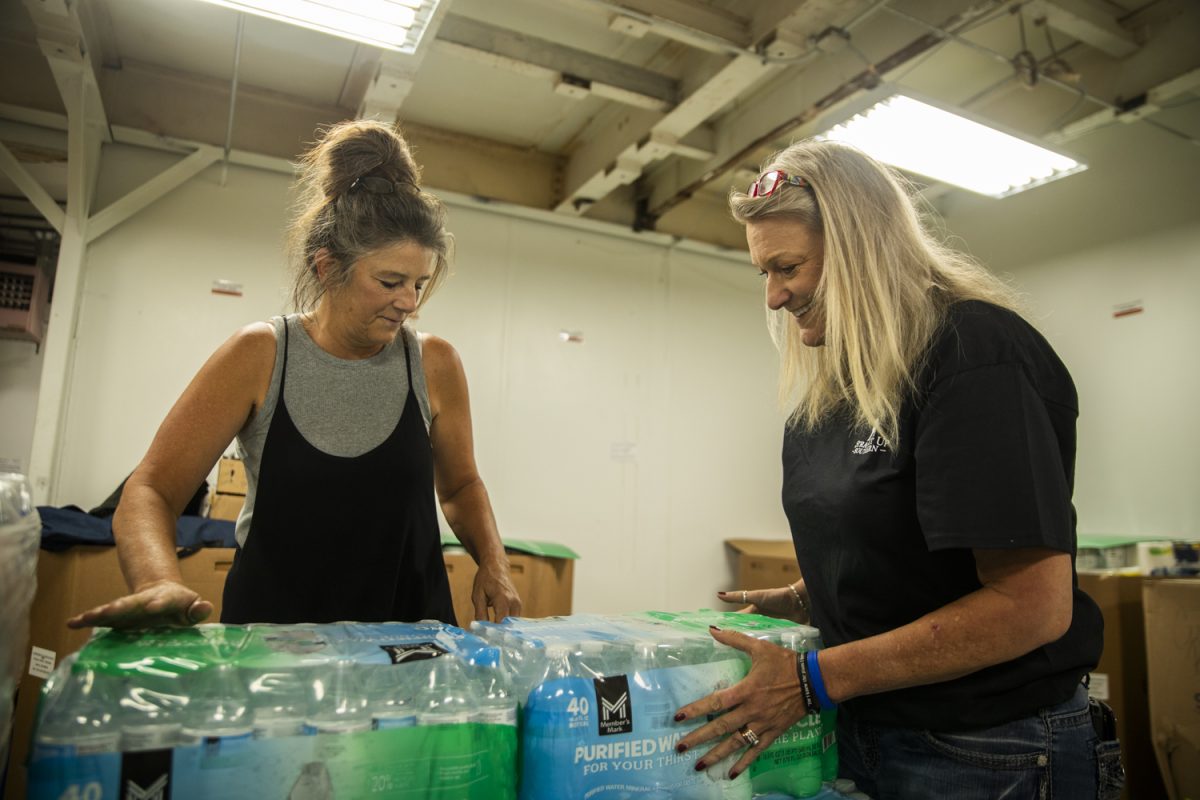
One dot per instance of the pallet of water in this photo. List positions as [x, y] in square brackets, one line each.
[598, 695]
[346, 710]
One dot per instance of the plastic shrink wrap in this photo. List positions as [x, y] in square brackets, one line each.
[20, 531]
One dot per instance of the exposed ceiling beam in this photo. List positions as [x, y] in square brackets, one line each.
[690, 14]
[618, 150]
[30, 187]
[1089, 22]
[1149, 102]
[364, 65]
[138, 198]
[396, 73]
[582, 73]
[679, 20]
[790, 102]
[60, 35]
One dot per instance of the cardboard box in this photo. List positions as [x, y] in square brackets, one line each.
[226, 506]
[1173, 664]
[545, 583]
[1100, 552]
[231, 476]
[70, 582]
[763, 563]
[1120, 677]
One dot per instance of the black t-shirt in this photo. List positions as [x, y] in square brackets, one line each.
[985, 459]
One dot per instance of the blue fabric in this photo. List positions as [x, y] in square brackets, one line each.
[1054, 753]
[68, 526]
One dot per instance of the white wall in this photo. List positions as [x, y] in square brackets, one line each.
[20, 371]
[642, 448]
[148, 318]
[1126, 229]
[1137, 467]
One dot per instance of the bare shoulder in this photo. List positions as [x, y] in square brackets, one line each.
[251, 347]
[255, 337]
[440, 357]
[243, 364]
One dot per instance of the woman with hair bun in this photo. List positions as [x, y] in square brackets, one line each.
[928, 464]
[349, 422]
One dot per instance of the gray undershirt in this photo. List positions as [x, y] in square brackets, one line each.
[341, 407]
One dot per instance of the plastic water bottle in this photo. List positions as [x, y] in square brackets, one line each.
[280, 703]
[217, 710]
[340, 701]
[151, 714]
[447, 697]
[591, 659]
[20, 533]
[829, 743]
[803, 778]
[497, 705]
[393, 691]
[78, 719]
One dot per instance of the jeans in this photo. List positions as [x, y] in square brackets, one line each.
[1054, 755]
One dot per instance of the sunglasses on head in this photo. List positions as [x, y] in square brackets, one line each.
[766, 184]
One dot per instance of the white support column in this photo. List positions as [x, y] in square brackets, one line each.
[83, 151]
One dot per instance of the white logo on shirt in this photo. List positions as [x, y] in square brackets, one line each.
[872, 444]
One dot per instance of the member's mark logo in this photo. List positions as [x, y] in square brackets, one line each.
[616, 709]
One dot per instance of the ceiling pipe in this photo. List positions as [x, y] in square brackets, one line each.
[237, 60]
[998, 56]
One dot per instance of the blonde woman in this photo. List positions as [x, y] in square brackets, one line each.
[352, 424]
[928, 466]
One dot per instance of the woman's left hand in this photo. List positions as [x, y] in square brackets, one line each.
[766, 702]
[494, 587]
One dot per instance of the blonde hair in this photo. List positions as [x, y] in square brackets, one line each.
[350, 221]
[885, 287]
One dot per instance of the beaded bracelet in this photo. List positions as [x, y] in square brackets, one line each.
[799, 600]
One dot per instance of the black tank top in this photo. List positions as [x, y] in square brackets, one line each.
[336, 538]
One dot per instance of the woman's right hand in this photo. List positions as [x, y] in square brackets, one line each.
[779, 603]
[158, 604]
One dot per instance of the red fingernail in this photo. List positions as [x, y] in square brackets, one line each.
[733, 773]
[699, 766]
[722, 593]
[681, 748]
[714, 627]
[680, 717]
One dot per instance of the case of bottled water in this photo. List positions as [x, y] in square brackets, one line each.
[598, 694]
[421, 710]
[20, 534]
[347, 710]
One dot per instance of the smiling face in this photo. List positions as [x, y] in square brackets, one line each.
[382, 292]
[791, 257]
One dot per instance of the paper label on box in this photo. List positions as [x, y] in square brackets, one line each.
[1098, 685]
[41, 662]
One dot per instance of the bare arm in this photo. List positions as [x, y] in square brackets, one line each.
[1025, 602]
[224, 394]
[463, 496]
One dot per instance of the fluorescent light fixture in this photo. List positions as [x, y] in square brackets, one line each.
[391, 24]
[920, 138]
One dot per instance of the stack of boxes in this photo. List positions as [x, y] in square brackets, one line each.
[231, 490]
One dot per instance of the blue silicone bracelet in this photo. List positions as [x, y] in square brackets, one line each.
[818, 683]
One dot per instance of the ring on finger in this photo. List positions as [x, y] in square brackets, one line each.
[748, 736]
[744, 601]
